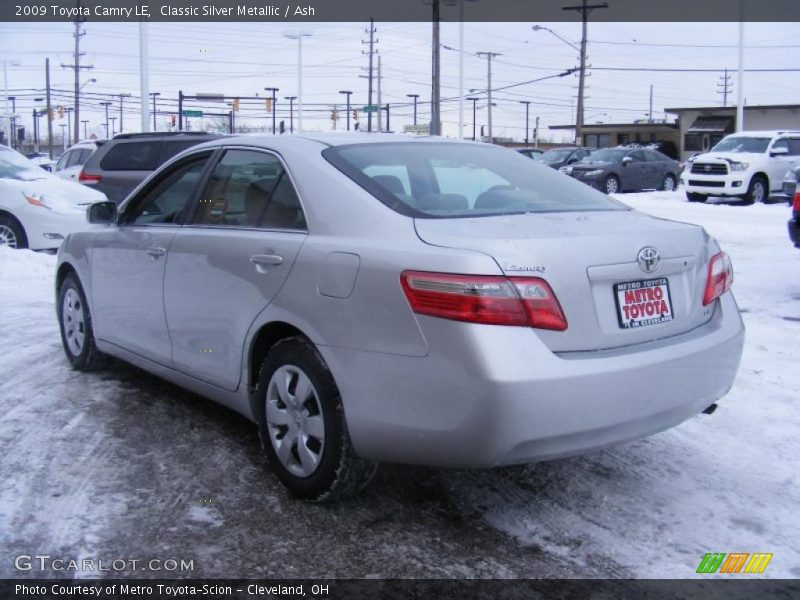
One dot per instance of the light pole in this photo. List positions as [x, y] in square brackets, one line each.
[106, 104]
[113, 125]
[474, 110]
[154, 95]
[291, 100]
[274, 107]
[7, 120]
[36, 115]
[85, 123]
[414, 96]
[13, 120]
[299, 35]
[63, 137]
[527, 104]
[489, 56]
[68, 110]
[347, 93]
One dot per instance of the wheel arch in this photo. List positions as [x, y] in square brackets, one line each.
[764, 176]
[10, 215]
[64, 269]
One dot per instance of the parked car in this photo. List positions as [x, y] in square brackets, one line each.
[791, 188]
[749, 165]
[41, 159]
[37, 209]
[124, 161]
[368, 298]
[556, 158]
[70, 163]
[534, 153]
[627, 170]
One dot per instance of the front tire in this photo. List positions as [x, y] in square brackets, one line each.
[758, 191]
[75, 321]
[611, 185]
[668, 185]
[692, 197]
[12, 233]
[302, 425]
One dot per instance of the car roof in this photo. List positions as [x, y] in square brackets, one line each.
[764, 133]
[331, 139]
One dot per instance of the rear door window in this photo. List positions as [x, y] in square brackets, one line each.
[132, 156]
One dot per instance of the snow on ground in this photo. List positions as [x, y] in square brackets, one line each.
[119, 464]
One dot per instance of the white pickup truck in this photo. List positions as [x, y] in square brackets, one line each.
[749, 165]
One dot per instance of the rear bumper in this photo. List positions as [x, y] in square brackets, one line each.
[794, 231]
[489, 396]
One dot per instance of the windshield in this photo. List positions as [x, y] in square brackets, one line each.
[434, 179]
[15, 166]
[742, 144]
[606, 155]
[556, 155]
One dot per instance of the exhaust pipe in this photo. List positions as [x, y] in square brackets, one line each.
[710, 409]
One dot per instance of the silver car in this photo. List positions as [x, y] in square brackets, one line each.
[367, 298]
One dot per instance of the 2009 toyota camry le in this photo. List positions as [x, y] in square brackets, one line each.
[368, 298]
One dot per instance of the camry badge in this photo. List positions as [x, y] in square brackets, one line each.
[649, 259]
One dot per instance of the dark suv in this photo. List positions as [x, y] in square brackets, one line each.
[124, 161]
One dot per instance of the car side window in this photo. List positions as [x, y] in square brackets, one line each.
[166, 199]
[77, 158]
[781, 143]
[62, 162]
[637, 155]
[249, 189]
[794, 146]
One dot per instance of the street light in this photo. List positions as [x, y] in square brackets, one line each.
[7, 120]
[106, 104]
[298, 35]
[291, 100]
[274, 106]
[113, 125]
[92, 80]
[69, 110]
[85, 123]
[347, 93]
[566, 41]
[414, 96]
[154, 95]
[527, 104]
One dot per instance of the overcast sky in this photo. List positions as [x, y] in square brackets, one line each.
[242, 59]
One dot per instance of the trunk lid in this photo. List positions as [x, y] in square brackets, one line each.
[582, 255]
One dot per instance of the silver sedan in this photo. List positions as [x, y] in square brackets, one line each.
[367, 298]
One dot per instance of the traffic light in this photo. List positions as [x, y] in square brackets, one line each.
[334, 114]
[235, 105]
[355, 115]
[172, 120]
[60, 112]
[268, 104]
[51, 114]
[282, 127]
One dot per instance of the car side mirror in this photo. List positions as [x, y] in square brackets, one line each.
[572, 161]
[102, 213]
[780, 151]
[626, 161]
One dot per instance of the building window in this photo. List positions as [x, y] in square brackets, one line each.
[693, 142]
[623, 138]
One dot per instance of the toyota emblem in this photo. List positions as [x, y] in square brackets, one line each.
[649, 259]
[708, 167]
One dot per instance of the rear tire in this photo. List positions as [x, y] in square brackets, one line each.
[758, 191]
[75, 322]
[611, 185]
[12, 234]
[668, 185]
[692, 197]
[303, 428]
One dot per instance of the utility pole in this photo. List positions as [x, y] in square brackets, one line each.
[13, 121]
[274, 105]
[144, 76]
[380, 121]
[113, 125]
[650, 114]
[106, 104]
[76, 66]
[299, 35]
[527, 104]
[489, 56]
[461, 69]
[436, 119]
[154, 95]
[372, 41]
[85, 123]
[121, 96]
[291, 100]
[584, 9]
[415, 97]
[49, 110]
[69, 110]
[474, 111]
[536, 134]
[347, 93]
[724, 87]
[740, 81]
[386, 108]
[63, 137]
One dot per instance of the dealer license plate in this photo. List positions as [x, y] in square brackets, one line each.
[642, 303]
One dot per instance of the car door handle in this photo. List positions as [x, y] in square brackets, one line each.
[156, 251]
[264, 261]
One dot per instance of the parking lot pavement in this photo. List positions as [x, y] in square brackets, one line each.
[120, 465]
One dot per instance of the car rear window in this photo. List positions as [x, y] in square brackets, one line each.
[443, 180]
[132, 156]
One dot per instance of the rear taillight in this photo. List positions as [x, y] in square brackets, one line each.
[720, 277]
[487, 299]
[796, 202]
[88, 179]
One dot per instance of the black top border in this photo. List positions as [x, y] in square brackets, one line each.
[400, 10]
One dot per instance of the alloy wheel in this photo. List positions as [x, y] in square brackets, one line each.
[7, 237]
[295, 420]
[611, 186]
[758, 191]
[669, 183]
